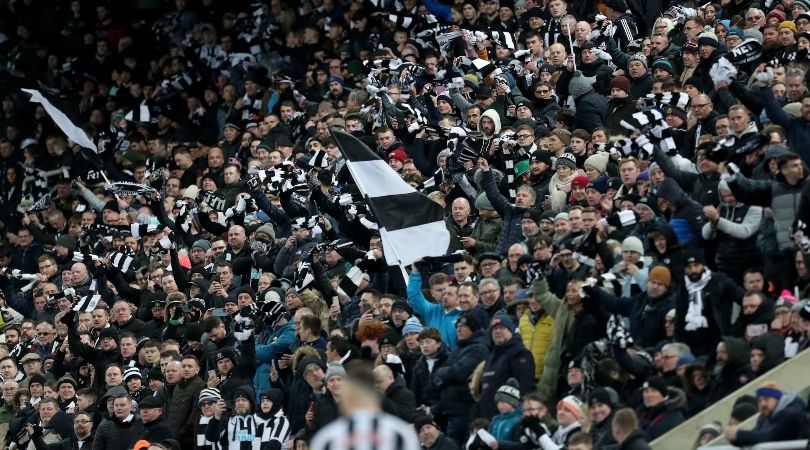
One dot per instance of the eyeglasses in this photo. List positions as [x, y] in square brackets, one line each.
[524, 136]
[207, 403]
[488, 265]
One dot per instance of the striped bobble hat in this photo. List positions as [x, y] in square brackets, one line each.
[132, 372]
[209, 394]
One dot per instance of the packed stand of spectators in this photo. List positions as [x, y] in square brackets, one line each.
[625, 188]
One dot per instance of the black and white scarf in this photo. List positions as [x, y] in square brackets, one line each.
[695, 319]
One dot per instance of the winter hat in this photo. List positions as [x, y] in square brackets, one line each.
[785, 299]
[621, 82]
[770, 389]
[685, 359]
[109, 332]
[580, 84]
[423, 420]
[37, 378]
[132, 372]
[334, 370]
[412, 325]
[521, 167]
[713, 428]
[202, 243]
[656, 382]
[660, 274]
[502, 320]
[789, 25]
[541, 156]
[67, 241]
[605, 395]
[482, 202]
[736, 32]
[708, 38]
[561, 216]
[663, 64]
[509, 393]
[469, 321]
[753, 33]
[398, 154]
[336, 80]
[563, 134]
[194, 332]
[571, 404]
[691, 46]
[778, 14]
[743, 410]
[402, 305]
[567, 160]
[600, 184]
[640, 57]
[633, 244]
[579, 181]
[268, 230]
[598, 161]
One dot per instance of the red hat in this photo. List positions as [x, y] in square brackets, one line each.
[621, 82]
[398, 154]
[580, 181]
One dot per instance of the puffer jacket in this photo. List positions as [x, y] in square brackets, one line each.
[451, 378]
[279, 341]
[665, 416]
[687, 218]
[591, 108]
[536, 335]
[117, 434]
[485, 233]
[784, 199]
[424, 389]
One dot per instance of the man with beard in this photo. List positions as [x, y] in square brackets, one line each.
[703, 311]
[757, 315]
[731, 370]
[781, 418]
[230, 430]
[540, 170]
[771, 45]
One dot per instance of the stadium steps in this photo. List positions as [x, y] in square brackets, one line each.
[790, 375]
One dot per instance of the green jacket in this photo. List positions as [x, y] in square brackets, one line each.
[556, 308]
[485, 233]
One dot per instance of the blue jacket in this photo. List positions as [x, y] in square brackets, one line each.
[503, 425]
[433, 313]
[280, 341]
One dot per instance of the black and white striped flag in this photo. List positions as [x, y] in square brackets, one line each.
[140, 114]
[300, 223]
[121, 261]
[411, 225]
[213, 199]
[677, 99]
[351, 281]
[129, 188]
[67, 124]
[87, 303]
[504, 39]
[319, 160]
[304, 276]
[41, 205]
[140, 230]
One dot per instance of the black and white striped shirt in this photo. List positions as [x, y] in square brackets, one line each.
[276, 428]
[366, 430]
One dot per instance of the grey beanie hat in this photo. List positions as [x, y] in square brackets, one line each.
[482, 202]
[580, 84]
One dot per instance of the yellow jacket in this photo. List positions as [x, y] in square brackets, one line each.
[536, 338]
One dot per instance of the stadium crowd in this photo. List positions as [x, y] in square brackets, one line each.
[624, 186]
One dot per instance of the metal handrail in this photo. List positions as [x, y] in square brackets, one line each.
[799, 444]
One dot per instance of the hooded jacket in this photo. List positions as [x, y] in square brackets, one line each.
[674, 257]
[647, 314]
[619, 109]
[760, 320]
[687, 216]
[115, 433]
[424, 389]
[773, 346]
[734, 373]
[787, 422]
[279, 341]
[590, 113]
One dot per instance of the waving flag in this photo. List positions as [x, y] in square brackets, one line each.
[66, 124]
[411, 225]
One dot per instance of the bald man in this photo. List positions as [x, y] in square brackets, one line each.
[397, 399]
[703, 111]
[459, 224]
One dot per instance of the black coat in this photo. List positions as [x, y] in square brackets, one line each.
[734, 373]
[443, 443]
[510, 360]
[665, 416]
[424, 389]
[113, 434]
[399, 401]
[718, 297]
[619, 109]
[635, 441]
[590, 113]
[646, 314]
[452, 377]
[157, 431]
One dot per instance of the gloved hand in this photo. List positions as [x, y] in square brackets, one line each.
[69, 318]
[531, 430]
[533, 273]
[764, 78]
[603, 55]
